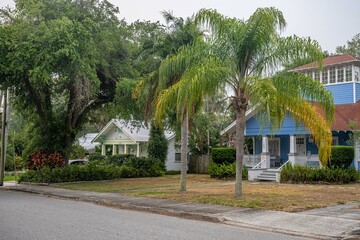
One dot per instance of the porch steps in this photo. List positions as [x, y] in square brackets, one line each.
[267, 175]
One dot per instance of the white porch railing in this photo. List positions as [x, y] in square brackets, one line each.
[282, 166]
[259, 164]
[251, 160]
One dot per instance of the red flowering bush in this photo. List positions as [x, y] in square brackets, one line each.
[40, 159]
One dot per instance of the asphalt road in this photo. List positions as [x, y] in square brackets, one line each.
[27, 216]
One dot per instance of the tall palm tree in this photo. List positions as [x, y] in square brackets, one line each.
[194, 73]
[253, 50]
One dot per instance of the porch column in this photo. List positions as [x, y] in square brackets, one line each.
[292, 154]
[137, 149]
[357, 151]
[103, 149]
[125, 149]
[114, 149]
[265, 155]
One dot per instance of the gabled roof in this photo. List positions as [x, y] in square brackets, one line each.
[347, 117]
[328, 61]
[231, 128]
[86, 141]
[135, 130]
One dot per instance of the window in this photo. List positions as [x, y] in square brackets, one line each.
[332, 75]
[335, 141]
[177, 157]
[340, 74]
[357, 72]
[325, 77]
[300, 141]
[348, 73]
[317, 76]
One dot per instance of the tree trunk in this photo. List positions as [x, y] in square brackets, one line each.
[184, 147]
[240, 127]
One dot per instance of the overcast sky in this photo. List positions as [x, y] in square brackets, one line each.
[330, 22]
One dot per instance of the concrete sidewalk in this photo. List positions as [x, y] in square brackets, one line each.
[340, 222]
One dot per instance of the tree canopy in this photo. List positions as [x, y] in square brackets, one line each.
[62, 59]
[352, 47]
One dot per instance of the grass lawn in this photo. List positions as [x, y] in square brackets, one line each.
[9, 178]
[202, 188]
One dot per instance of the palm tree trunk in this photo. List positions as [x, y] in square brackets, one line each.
[239, 141]
[184, 147]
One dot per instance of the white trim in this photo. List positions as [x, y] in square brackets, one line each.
[254, 145]
[124, 131]
[102, 131]
[138, 150]
[354, 92]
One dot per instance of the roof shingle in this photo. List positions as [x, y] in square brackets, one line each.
[332, 60]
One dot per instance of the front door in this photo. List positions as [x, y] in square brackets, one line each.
[274, 147]
[300, 146]
[274, 150]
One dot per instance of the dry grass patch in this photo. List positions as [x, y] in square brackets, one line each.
[202, 188]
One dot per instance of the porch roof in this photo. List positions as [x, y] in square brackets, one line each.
[346, 117]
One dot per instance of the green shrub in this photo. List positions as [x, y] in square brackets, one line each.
[146, 167]
[341, 156]
[96, 170]
[226, 170]
[223, 155]
[77, 152]
[89, 172]
[157, 146]
[10, 164]
[119, 159]
[96, 156]
[304, 174]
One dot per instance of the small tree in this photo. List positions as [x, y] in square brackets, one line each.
[158, 144]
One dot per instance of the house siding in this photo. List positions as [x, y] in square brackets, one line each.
[357, 88]
[117, 134]
[253, 128]
[342, 93]
[170, 160]
[311, 147]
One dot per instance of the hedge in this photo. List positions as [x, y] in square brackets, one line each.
[341, 156]
[223, 155]
[305, 174]
[96, 170]
[225, 171]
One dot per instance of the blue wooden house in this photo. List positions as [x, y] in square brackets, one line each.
[340, 75]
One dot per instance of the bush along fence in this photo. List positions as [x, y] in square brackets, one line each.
[226, 171]
[223, 164]
[97, 169]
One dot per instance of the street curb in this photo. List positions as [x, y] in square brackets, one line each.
[278, 230]
[174, 213]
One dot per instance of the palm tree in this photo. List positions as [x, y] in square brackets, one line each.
[252, 51]
[194, 73]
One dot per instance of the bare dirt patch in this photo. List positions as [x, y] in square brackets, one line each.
[262, 195]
